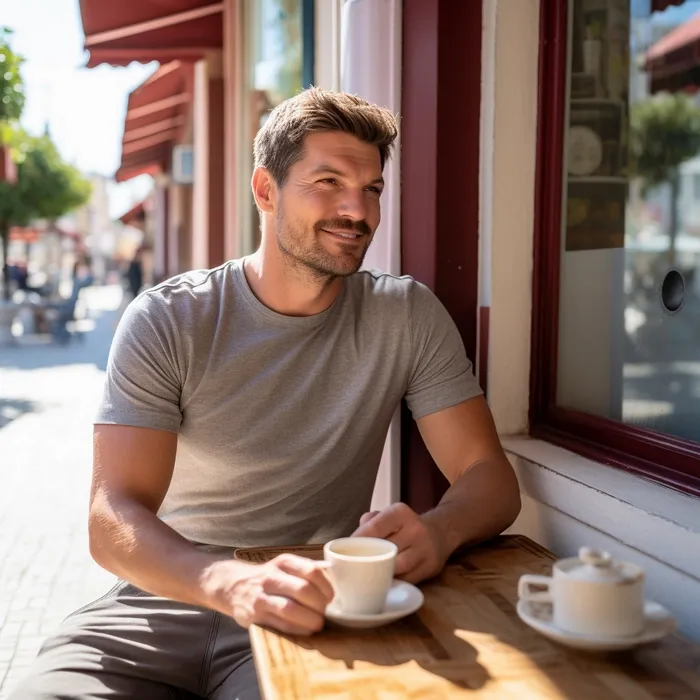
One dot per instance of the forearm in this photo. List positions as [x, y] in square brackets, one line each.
[132, 542]
[480, 504]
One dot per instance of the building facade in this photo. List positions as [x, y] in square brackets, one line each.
[513, 197]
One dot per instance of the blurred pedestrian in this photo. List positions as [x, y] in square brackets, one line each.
[134, 274]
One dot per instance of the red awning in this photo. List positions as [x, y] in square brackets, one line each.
[156, 117]
[661, 5]
[673, 62]
[24, 234]
[137, 213]
[32, 234]
[118, 33]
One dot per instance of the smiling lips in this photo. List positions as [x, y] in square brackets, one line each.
[347, 235]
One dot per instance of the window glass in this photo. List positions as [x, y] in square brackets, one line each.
[274, 66]
[629, 304]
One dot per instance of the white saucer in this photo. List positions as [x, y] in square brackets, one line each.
[401, 600]
[658, 623]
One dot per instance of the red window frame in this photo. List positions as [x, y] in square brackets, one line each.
[440, 142]
[662, 458]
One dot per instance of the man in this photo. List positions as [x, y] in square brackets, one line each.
[248, 405]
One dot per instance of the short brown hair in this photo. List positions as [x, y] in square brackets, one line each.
[280, 142]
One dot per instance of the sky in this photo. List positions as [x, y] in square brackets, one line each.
[84, 108]
[672, 14]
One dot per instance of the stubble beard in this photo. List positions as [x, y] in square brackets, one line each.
[314, 260]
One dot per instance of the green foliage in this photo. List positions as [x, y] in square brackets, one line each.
[665, 133]
[11, 83]
[46, 186]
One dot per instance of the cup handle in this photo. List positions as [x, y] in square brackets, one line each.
[526, 593]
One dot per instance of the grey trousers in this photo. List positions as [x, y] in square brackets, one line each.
[130, 644]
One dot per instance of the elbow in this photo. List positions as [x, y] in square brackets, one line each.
[512, 503]
[506, 493]
[513, 508]
[95, 538]
[99, 536]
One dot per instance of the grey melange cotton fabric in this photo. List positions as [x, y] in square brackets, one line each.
[281, 422]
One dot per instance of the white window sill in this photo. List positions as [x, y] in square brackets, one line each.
[570, 501]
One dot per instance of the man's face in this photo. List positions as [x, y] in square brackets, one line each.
[328, 208]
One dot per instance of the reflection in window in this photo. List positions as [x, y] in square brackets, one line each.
[632, 216]
[274, 63]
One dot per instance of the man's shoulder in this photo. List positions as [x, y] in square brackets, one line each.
[201, 283]
[386, 289]
[380, 284]
[186, 299]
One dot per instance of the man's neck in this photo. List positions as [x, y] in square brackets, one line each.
[288, 289]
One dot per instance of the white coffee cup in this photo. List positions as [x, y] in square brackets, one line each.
[591, 594]
[362, 571]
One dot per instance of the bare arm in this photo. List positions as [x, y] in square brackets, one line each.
[131, 474]
[484, 497]
[482, 501]
[132, 471]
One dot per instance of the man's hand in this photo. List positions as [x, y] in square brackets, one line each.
[422, 553]
[288, 593]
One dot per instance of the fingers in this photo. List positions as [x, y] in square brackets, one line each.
[368, 516]
[299, 590]
[417, 557]
[385, 522]
[412, 565]
[293, 597]
[288, 616]
[311, 571]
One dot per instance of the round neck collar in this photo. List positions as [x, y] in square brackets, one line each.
[278, 318]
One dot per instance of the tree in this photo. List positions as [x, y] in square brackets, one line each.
[11, 84]
[11, 108]
[46, 188]
[665, 133]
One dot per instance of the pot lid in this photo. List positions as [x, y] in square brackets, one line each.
[596, 565]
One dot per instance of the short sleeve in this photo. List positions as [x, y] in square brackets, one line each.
[442, 375]
[144, 380]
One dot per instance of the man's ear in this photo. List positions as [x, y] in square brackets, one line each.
[264, 190]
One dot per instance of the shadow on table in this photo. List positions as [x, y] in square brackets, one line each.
[387, 651]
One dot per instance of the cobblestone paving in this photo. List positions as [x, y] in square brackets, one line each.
[48, 395]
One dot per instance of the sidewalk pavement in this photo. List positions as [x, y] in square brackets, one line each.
[48, 396]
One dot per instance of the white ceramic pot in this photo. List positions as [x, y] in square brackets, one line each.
[591, 594]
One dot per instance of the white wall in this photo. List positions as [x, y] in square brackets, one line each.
[160, 226]
[327, 15]
[371, 38]
[200, 189]
[234, 143]
[510, 49]
[568, 501]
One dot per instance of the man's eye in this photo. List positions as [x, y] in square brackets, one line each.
[372, 188]
[329, 181]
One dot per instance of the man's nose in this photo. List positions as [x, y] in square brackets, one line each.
[352, 205]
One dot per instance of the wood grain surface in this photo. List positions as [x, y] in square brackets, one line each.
[466, 642]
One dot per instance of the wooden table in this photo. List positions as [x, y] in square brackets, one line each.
[466, 642]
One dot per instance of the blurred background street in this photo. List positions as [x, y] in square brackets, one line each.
[48, 395]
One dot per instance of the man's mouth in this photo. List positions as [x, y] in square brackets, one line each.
[348, 235]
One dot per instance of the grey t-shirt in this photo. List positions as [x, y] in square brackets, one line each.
[281, 420]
